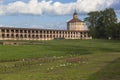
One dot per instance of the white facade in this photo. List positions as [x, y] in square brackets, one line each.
[7, 33]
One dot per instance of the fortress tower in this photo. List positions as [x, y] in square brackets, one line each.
[75, 24]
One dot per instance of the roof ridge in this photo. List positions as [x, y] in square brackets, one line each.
[75, 20]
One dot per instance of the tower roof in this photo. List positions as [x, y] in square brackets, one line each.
[75, 19]
[75, 13]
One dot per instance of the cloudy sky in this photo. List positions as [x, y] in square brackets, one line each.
[49, 13]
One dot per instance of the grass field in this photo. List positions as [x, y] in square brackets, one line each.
[61, 60]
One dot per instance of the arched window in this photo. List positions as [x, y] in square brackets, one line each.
[17, 36]
[3, 35]
[12, 35]
[8, 35]
[21, 36]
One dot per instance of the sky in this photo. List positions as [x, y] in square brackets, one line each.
[49, 14]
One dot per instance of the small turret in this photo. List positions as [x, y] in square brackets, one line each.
[75, 24]
[75, 15]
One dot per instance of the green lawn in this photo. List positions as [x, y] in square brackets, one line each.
[58, 60]
[109, 72]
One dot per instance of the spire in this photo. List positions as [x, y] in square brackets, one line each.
[75, 11]
[75, 15]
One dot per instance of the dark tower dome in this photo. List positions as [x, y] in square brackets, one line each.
[75, 18]
[75, 15]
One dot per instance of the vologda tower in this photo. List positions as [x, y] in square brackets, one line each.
[75, 23]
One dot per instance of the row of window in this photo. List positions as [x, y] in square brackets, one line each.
[36, 31]
[37, 36]
[77, 23]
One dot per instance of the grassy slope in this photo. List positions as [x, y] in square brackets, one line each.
[109, 72]
[104, 52]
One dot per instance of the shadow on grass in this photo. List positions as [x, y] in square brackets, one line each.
[109, 49]
[109, 72]
[79, 52]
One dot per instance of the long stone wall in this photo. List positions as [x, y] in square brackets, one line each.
[40, 34]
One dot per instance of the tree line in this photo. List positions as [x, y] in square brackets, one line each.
[103, 24]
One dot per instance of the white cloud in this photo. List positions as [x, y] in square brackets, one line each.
[48, 6]
[118, 20]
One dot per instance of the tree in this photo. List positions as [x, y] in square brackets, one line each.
[101, 23]
[109, 20]
[116, 31]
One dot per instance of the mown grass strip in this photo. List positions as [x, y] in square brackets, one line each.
[109, 72]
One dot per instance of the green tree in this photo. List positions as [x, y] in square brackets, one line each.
[92, 22]
[101, 23]
[109, 20]
[116, 31]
